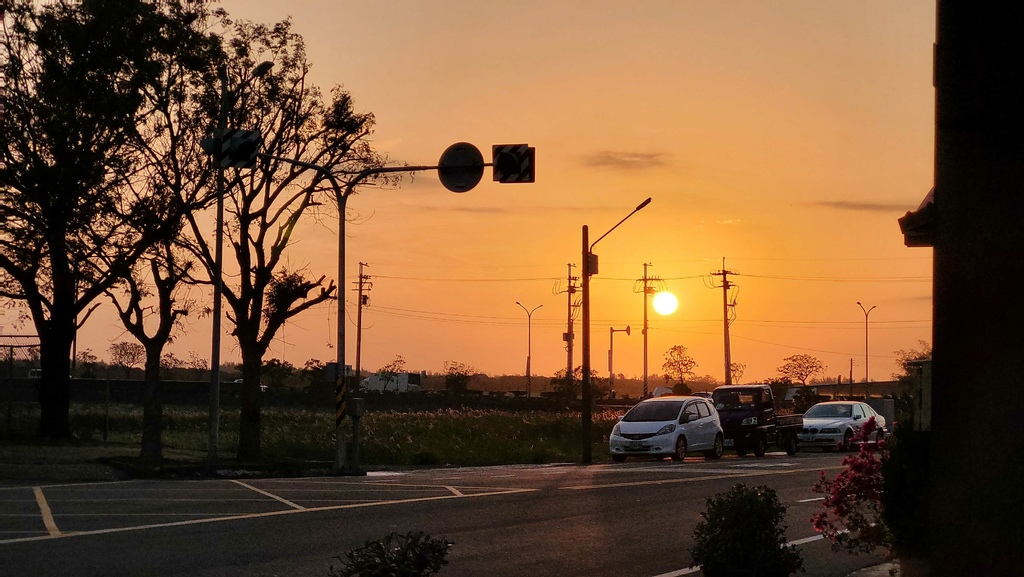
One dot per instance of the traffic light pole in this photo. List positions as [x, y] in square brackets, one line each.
[341, 390]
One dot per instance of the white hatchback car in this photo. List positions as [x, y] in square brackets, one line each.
[833, 424]
[667, 426]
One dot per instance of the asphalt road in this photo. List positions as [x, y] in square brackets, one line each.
[634, 519]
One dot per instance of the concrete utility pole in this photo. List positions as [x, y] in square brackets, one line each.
[648, 289]
[726, 305]
[571, 308]
[363, 284]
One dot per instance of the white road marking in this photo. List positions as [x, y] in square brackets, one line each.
[727, 475]
[455, 491]
[44, 509]
[268, 494]
[811, 500]
[259, 516]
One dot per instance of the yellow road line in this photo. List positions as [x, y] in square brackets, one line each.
[44, 509]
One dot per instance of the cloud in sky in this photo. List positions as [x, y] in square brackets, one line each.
[624, 160]
[864, 206]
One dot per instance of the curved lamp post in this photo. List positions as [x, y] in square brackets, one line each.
[529, 344]
[866, 313]
[590, 267]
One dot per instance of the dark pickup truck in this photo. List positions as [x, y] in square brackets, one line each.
[752, 422]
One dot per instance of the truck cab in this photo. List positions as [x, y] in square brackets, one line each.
[750, 419]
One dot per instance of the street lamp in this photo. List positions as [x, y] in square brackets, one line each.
[590, 267]
[529, 345]
[611, 347]
[227, 100]
[866, 313]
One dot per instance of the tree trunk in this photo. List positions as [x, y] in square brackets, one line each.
[152, 412]
[249, 428]
[54, 386]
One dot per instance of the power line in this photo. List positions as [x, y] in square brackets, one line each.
[842, 279]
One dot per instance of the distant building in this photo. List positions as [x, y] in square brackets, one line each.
[392, 382]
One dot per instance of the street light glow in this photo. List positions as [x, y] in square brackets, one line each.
[665, 303]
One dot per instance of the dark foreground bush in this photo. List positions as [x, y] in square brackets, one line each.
[409, 555]
[742, 535]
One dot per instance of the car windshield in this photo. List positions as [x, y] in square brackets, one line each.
[660, 411]
[829, 411]
[730, 400]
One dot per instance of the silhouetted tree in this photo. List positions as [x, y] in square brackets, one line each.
[264, 204]
[678, 365]
[127, 355]
[801, 367]
[76, 209]
[457, 376]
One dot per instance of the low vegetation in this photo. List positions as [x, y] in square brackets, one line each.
[446, 437]
[413, 554]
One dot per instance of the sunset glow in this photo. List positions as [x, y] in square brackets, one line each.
[786, 137]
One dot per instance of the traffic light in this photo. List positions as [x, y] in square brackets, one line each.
[234, 148]
[513, 162]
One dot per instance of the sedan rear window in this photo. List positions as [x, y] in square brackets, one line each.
[663, 411]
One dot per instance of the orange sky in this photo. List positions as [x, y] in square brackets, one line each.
[784, 136]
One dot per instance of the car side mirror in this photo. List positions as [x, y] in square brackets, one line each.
[856, 417]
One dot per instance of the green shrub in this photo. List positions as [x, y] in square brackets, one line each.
[742, 535]
[409, 555]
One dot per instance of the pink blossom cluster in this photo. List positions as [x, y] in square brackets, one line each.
[852, 519]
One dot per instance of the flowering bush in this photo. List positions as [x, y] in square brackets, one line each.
[852, 519]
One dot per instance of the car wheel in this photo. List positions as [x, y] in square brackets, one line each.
[680, 453]
[619, 458]
[716, 449]
[791, 445]
[848, 441]
[760, 447]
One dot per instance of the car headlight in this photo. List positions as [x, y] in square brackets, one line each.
[830, 431]
[749, 421]
[615, 430]
[666, 429]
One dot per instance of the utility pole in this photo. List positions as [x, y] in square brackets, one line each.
[647, 290]
[363, 284]
[726, 285]
[571, 308]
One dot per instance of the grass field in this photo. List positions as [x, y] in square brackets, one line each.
[447, 437]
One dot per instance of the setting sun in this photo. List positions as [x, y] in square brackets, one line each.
[665, 303]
